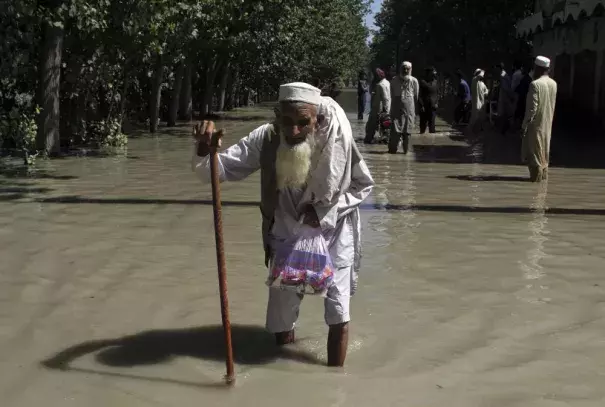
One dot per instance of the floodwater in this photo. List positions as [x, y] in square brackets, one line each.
[477, 288]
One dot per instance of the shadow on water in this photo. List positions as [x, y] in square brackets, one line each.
[12, 191]
[22, 171]
[567, 150]
[252, 345]
[490, 178]
[364, 207]
[141, 201]
[462, 154]
[12, 197]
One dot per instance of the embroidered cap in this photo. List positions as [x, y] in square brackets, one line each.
[300, 92]
[542, 62]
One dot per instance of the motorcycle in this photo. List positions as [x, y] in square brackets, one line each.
[384, 128]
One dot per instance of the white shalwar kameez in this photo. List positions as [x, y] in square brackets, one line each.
[336, 188]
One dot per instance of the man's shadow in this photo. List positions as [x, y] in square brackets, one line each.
[252, 345]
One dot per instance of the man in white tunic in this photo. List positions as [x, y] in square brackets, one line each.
[479, 94]
[311, 171]
[404, 97]
[381, 104]
[537, 125]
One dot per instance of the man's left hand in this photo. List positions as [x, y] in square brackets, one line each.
[310, 217]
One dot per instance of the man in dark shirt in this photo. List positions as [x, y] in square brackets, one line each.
[362, 93]
[463, 110]
[429, 99]
[334, 91]
[522, 90]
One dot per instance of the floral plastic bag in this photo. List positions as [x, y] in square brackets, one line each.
[304, 265]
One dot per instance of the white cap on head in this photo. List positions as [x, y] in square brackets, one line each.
[477, 72]
[300, 92]
[481, 73]
[407, 64]
[542, 62]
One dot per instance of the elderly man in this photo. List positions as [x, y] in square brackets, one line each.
[479, 93]
[404, 97]
[537, 125]
[311, 172]
[381, 103]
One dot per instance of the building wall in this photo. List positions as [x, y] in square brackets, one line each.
[578, 48]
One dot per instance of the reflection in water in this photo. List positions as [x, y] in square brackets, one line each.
[532, 269]
[477, 157]
[409, 221]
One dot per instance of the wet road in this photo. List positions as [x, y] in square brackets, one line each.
[478, 289]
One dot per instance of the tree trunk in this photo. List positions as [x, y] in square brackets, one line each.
[223, 88]
[49, 121]
[69, 105]
[211, 72]
[176, 94]
[231, 93]
[155, 95]
[124, 95]
[186, 105]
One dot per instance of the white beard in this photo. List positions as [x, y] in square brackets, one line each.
[293, 163]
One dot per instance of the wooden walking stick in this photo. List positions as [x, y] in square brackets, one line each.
[220, 250]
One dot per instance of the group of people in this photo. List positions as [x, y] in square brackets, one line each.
[402, 99]
[511, 98]
[526, 100]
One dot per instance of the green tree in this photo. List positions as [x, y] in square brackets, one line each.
[93, 66]
[450, 34]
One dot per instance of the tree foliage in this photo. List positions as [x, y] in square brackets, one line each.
[142, 60]
[449, 34]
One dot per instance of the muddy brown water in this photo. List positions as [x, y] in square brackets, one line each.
[477, 288]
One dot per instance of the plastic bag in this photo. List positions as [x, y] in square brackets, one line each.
[304, 265]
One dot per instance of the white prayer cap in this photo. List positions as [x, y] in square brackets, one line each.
[542, 62]
[477, 72]
[300, 92]
[407, 64]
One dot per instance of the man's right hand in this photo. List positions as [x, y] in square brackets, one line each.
[207, 138]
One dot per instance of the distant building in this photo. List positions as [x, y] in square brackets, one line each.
[572, 34]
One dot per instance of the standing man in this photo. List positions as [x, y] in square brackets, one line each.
[463, 109]
[517, 75]
[362, 94]
[537, 125]
[479, 93]
[522, 90]
[311, 172]
[506, 98]
[404, 97]
[428, 100]
[334, 91]
[381, 103]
